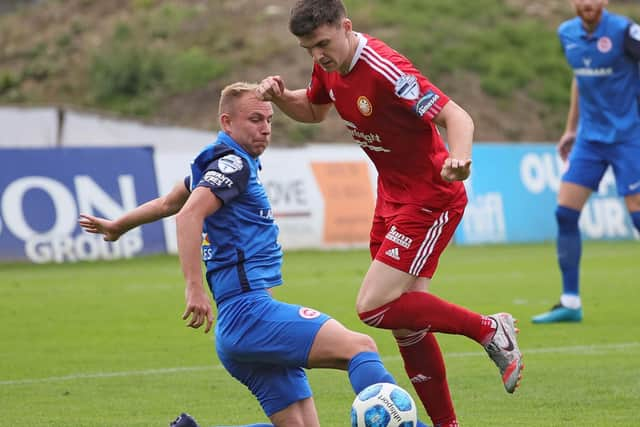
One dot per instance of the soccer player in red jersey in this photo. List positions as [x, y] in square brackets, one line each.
[392, 111]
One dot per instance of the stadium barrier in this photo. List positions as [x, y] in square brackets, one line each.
[43, 190]
[512, 198]
[322, 197]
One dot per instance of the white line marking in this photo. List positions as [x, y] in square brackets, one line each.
[579, 349]
[160, 371]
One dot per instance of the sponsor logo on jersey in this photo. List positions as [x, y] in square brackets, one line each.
[364, 106]
[205, 239]
[217, 179]
[308, 313]
[265, 213]
[407, 87]
[604, 44]
[593, 72]
[587, 71]
[396, 237]
[426, 102]
[230, 163]
[393, 253]
[365, 140]
[634, 32]
[207, 250]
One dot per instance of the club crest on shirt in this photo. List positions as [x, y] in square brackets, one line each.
[308, 313]
[364, 106]
[230, 163]
[604, 44]
[634, 32]
[407, 87]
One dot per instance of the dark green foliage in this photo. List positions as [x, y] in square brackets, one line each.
[506, 49]
[129, 77]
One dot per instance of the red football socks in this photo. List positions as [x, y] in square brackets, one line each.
[424, 364]
[420, 311]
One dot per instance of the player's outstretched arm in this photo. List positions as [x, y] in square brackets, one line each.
[150, 211]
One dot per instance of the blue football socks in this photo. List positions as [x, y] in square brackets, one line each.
[635, 218]
[366, 369]
[569, 248]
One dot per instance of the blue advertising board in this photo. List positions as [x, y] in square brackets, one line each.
[512, 198]
[43, 191]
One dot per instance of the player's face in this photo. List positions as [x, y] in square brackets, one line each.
[330, 46]
[589, 11]
[250, 124]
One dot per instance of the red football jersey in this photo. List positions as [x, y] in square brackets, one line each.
[388, 107]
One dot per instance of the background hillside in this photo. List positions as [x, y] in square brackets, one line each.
[166, 61]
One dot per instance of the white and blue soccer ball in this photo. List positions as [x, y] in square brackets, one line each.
[383, 405]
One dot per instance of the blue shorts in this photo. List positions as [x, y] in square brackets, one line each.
[265, 344]
[588, 162]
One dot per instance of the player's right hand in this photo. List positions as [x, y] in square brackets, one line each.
[565, 145]
[198, 308]
[270, 87]
[95, 225]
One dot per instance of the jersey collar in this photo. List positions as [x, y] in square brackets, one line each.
[224, 138]
[600, 29]
[362, 42]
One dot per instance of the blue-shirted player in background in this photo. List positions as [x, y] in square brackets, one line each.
[604, 121]
[262, 342]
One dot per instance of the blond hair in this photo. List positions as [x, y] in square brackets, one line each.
[231, 93]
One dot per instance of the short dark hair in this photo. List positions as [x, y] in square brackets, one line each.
[307, 15]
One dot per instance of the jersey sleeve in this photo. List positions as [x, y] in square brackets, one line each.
[317, 92]
[187, 183]
[632, 41]
[227, 177]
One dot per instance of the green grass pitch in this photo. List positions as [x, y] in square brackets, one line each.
[102, 344]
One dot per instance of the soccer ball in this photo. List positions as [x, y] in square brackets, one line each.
[383, 405]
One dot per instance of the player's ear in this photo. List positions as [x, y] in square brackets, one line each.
[347, 25]
[225, 122]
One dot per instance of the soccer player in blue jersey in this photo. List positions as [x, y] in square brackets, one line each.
[224, 218]
[603, 129]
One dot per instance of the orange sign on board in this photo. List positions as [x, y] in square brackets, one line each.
[348, 200]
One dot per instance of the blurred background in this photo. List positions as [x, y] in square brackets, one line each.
[164, 62]
[144, 76]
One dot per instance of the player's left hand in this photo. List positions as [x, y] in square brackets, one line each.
[455, 169]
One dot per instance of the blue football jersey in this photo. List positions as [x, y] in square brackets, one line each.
[240, 241]
[605, 65]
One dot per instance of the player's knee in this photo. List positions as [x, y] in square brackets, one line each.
[359, 343]
[366, 316]
[368, 311]
[567, 219]
[366, 343]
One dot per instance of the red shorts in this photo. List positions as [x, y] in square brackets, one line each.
[412, 238]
